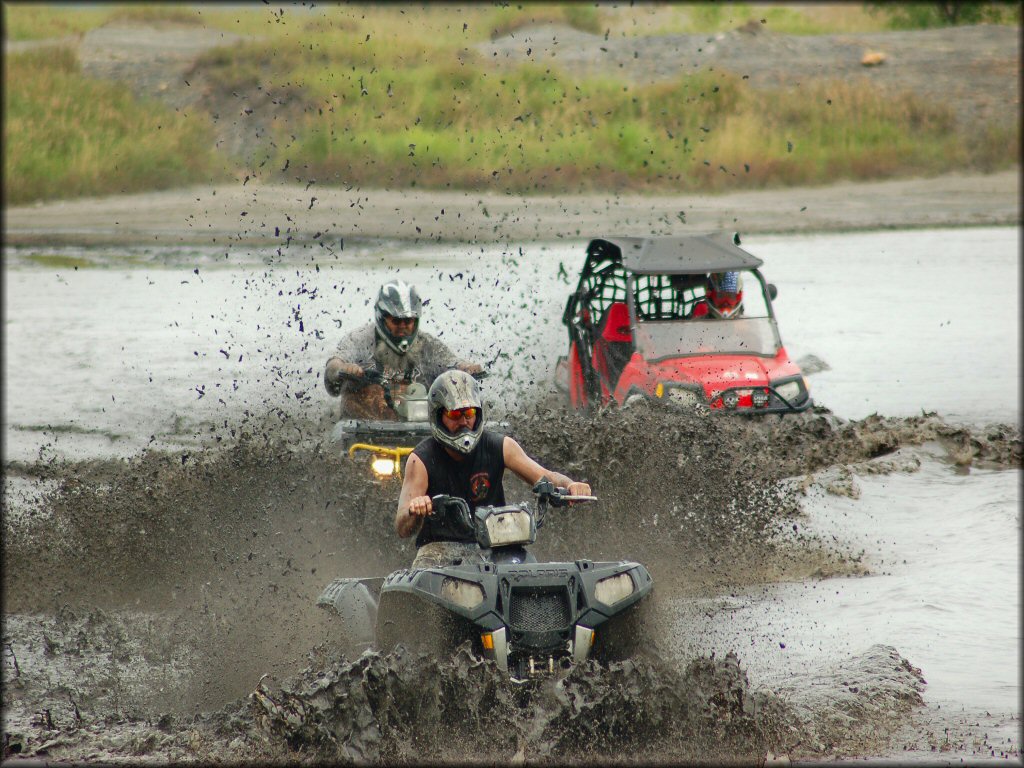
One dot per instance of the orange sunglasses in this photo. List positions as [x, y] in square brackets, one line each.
[461, 413]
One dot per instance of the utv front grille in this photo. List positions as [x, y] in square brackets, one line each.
[535, 611]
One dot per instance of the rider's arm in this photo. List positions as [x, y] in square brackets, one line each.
[332, 374]
[530, 471]
[413, 502]
[442, 358]
[468, 367]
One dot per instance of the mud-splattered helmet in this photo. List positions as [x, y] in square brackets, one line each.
[725, 295]
[452, 392]
[397, 299]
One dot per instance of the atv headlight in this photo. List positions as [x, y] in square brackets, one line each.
[614, 588]
[383, 466]
[465, 594]
[418, 411]
[505, 528]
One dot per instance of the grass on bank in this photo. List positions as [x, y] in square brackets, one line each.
[375, 96]
[397, 109]
[67, 135]
[34, 21]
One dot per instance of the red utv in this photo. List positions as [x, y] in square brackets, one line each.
[684, 321]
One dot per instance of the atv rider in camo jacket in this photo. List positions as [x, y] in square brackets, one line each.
[392, 345]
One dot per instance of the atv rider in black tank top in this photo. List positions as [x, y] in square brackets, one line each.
[461, 459]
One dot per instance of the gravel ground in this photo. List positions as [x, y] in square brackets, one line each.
[273, 214]
[974, 69]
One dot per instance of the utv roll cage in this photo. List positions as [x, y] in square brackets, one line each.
[657, 278]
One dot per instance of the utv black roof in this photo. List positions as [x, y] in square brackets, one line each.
[682, 255]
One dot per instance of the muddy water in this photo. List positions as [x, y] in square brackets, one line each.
[192, 563]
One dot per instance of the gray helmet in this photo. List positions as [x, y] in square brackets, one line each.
[397, 299]
[451, 391]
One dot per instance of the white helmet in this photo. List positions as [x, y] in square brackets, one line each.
[453, 391]
[397, 299]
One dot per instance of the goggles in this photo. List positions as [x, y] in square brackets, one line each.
[461, 413]
[724, 300]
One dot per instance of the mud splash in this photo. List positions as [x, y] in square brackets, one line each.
[402, 708]
[141, 595]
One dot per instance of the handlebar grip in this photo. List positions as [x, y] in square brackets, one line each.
[567, 497]
[437, 503]
[441, 502]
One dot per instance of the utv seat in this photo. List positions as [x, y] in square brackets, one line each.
[613, 346]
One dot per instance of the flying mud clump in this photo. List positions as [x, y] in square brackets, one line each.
[400, 708]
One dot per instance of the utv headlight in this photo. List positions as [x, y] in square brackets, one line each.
[790, 390]
[614, 588]
[677, 395]
[731, 398]
[759, 398]
[465, 594]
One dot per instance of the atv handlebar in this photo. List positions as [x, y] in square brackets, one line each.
[548, 494]
[368, 376]
[453, 510]
[371, 376]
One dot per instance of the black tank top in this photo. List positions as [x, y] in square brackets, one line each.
[477, 478]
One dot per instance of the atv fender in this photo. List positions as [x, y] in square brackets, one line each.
[355, 601]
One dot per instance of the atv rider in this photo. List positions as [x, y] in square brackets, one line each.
[392, 345]
[462, 459]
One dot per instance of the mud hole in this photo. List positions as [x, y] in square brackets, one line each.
[162, 607]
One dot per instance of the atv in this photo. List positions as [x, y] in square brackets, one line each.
[387, 442]
[532, 619]
[643, 326]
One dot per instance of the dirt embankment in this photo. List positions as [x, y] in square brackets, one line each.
[973, 69]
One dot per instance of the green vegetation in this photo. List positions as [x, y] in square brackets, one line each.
[31, 21]
[397, 96]
[67, 135]
[58, 261]
[945, 14]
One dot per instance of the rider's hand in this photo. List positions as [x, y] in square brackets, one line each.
[420, 506]
[470, 368]
[350, 369]
[578, 489]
